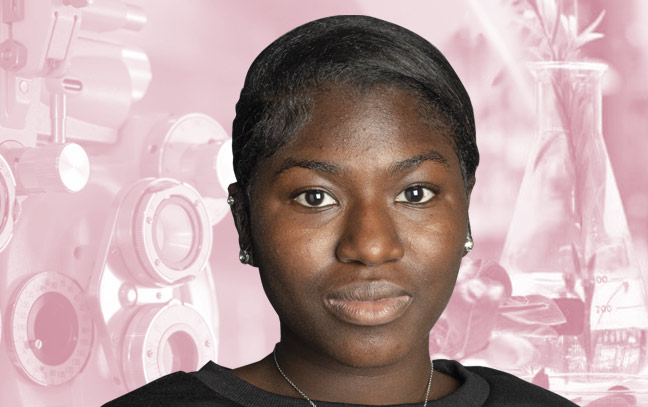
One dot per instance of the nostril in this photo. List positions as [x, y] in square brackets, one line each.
[370, 240]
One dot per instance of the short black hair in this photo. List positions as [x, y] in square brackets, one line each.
[356, 50]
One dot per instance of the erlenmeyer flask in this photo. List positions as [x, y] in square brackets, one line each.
[569, 237]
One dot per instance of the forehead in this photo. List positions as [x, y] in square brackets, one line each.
[357, 123]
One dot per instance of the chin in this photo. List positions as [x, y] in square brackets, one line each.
[369, 350]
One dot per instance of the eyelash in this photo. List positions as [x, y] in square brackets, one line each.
[432, 191]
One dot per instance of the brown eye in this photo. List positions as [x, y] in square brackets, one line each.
[416, 194]
[315, 198]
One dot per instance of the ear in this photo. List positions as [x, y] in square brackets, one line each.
[241, 215]
[470, 183]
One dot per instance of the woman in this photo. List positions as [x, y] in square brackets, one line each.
[355, 157]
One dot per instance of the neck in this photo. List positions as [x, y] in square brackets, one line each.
[323, 376]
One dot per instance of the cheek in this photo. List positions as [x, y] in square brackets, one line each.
[439, 234]
[435, 248]
[290, 257]
[279, 241]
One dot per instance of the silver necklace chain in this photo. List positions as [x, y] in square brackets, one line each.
[274, 355]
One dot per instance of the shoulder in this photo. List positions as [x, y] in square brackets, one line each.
[509, 390]
[175, 389]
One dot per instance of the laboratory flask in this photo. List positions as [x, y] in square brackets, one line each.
[569, 239]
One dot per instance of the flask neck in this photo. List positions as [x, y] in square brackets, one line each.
[569, 97]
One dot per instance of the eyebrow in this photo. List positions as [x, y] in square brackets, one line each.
[399, 166]
[413, 162]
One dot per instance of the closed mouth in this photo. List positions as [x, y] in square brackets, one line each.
[368, 303]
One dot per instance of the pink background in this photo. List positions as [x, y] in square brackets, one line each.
[198, 54]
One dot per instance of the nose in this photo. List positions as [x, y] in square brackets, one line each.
[369, 237]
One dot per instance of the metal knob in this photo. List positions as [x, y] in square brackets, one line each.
[52, 168]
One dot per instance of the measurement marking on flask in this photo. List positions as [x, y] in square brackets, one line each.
[599, 279]
[630, 306]
[607, 308]
[603, 308]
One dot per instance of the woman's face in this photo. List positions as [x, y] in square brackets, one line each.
[358, 227]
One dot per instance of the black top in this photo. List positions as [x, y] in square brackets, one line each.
[217, 386]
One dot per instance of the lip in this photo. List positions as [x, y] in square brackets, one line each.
[368, 303]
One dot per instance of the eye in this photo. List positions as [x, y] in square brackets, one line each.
[315, 198]
[417, 194]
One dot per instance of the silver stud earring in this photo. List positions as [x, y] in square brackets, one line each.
[468, 246]
[244, 256]
[230, 200]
